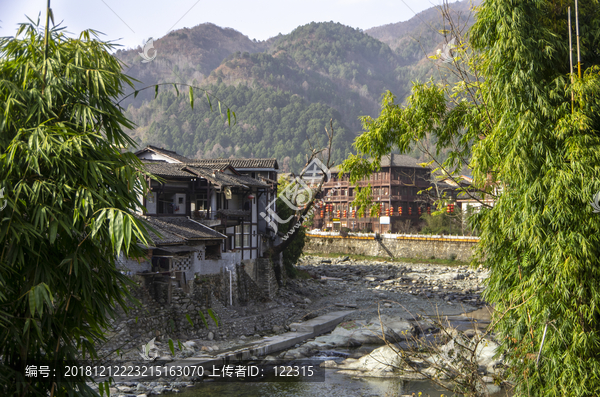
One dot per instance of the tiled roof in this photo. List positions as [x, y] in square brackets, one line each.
[400, 160]
[165, 152]
[224, 179]
[237, 163]
[218, 164]
[234, 213]
[179, 229]
[167, 238]
[164, 169]
[176, 170]
[396, 160]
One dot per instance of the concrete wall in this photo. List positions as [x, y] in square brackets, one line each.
[401, 246]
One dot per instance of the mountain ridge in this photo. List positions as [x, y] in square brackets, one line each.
[317, 73]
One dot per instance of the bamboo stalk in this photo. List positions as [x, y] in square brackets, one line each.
[46, 47]
[571, 59]
[577, 32]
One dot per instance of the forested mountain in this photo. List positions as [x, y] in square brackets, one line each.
[421, 33]
[283, 90]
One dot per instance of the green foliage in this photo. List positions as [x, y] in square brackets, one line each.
[293, 252]
[269, 123]
[364, 202]
[70, 194]
[539, 153]
[441, 223]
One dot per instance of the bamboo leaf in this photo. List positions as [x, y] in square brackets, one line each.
[176, 89]
[203, 318]
[171, 347]
[209, 104]
[53, 230]
[118, 230]
[155, 91]
[111, 226]
[98, 223]
[127, 231]
[213, 315]
[189, 319]
[192, 97]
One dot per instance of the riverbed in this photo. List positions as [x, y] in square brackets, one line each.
[367, 289]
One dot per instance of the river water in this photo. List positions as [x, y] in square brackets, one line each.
[335, 385]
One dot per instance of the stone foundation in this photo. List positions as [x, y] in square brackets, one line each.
[167, 308]
[400, 246]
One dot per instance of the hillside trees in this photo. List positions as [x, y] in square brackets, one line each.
[511, 121]
[270, 123]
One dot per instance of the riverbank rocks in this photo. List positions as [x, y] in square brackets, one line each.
[454, 357]
[383, 362]
[358, 332]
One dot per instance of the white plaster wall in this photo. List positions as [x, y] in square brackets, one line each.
[151, 203]
[215, 266]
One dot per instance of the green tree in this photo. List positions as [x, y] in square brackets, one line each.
[441, 223]
[70, 197]
[293, 251]
[512, 121]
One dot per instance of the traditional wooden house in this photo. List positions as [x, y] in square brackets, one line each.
[395, 188]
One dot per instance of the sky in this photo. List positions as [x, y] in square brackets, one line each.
[131, 22]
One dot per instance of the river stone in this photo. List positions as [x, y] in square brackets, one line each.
[397, 325]
[210, 336]
[330, 341]
[329, 364]
[190, 344]
[360, 332]
[380, 363]
[486, 350]
[141, 387]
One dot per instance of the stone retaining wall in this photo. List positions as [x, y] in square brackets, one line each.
[400, 246]
[166, 309]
